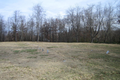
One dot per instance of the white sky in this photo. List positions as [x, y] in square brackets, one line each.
[53, 8]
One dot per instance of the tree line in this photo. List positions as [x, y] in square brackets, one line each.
[96, 23]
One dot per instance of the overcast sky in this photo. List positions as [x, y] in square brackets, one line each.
[53, 8]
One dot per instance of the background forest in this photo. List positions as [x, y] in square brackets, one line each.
[95, 23]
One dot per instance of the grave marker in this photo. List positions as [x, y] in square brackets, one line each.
[107, 52]
[64, 60]
[47, 51]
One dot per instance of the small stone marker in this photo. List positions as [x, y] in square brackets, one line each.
[42, 49]
[39, 48]
[107, 52]
[91, 50]
[47, 51]
[64, 60]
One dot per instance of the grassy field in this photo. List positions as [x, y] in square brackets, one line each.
[64, 61]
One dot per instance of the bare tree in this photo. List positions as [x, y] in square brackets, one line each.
[46, 31]
[89, 19]
[77, 22]
[31, 26]
[38, 14]
[2, 28]
[71, 21]
[22, 25]
[108, 21]
[61, 29]
[94, 18]
[53, 29]
[118, 13]
[15, 20]
[8, 26]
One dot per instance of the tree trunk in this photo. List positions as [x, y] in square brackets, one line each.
[92, 39]
[38, 38]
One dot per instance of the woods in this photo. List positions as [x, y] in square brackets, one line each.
[95, 23]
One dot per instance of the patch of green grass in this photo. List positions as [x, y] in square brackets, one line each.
[27, 67]
[105, 66]
[78, 51]
[109, 59]
[16, 51]
[32, 57]
[43, 55]
[8, 67]
[75, 56]
[52, 47]
[115, 50]
[29, 50]
[98, 56]
[34, 52]
[105, 74]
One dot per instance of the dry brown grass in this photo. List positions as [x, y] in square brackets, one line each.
[65, 61]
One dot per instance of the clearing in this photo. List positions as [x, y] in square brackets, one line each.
[59, 61]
